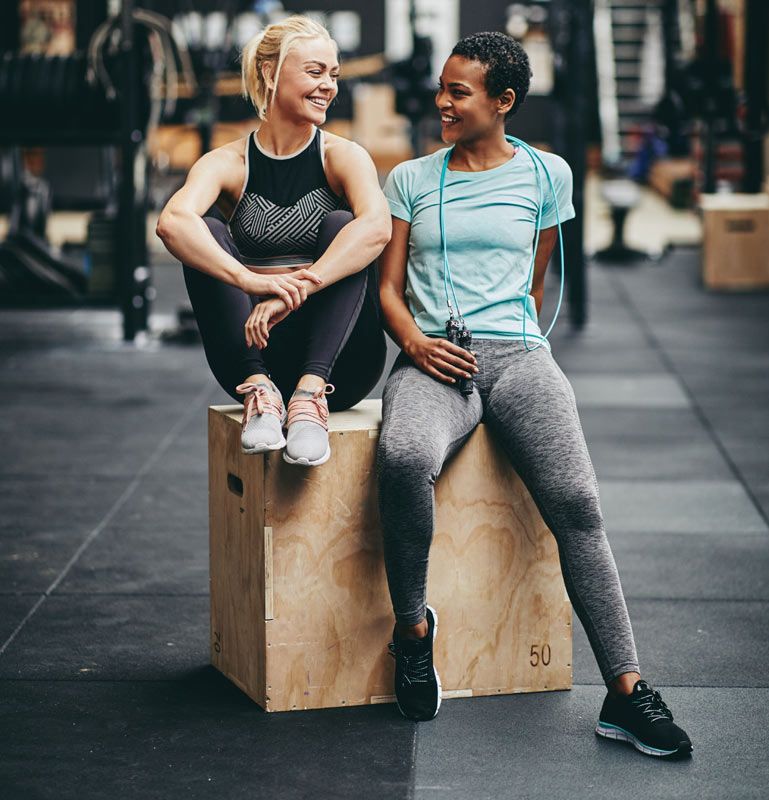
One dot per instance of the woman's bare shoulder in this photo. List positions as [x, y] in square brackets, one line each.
[230, 154]
[338, 148]
[346, 159]
[226, 163]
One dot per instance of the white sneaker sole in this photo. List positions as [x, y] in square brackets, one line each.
[610, 731]
[264, 448]
[306, 462]
[437, 677]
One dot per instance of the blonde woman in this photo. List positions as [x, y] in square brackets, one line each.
[278, 234]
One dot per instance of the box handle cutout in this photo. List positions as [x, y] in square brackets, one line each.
[234, 484]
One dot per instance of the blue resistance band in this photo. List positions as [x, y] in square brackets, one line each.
[447, 280]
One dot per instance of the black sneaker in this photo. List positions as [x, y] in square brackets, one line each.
[417, 685]
[643, 719]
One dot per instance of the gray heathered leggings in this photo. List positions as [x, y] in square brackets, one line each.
[529, 405]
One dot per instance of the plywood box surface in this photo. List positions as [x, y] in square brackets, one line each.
[735, 252]
[300, 609]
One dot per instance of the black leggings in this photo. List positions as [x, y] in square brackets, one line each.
[336, 333]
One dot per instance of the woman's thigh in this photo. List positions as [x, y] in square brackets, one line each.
[357, 368]
[532, 412]
[221, 311]
[424, 421]
[360, 363]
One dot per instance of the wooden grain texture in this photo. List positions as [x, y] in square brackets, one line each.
[237, 560]
[494, 575]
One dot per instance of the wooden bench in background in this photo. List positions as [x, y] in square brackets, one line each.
[300, 610]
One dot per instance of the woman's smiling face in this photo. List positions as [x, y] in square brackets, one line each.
[307, 83]
[467, 110]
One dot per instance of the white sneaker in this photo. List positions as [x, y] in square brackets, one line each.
[307, 442]
[264, 417]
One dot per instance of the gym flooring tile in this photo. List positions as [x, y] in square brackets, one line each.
[155, 559]
[543, 745]
[627, 391]
[731, 367]
[165, 500]
[187, 454]
[651, 444]
[100, 454]
[13, 609]
[724, 321]
[198, 737]
[110, 427]
[761, 493]
[58, 501]
[32, 558]
[576, 354]
[621, 332]
[187, 457]
[734, 374]
[709, 566]
[744, 417]
[111, 637]
[690, 643]
[745, 449]
[678, 506]
[142, 391]
[106, 689]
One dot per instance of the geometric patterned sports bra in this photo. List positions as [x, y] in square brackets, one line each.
[282, 203]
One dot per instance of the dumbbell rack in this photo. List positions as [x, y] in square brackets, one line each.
[133, 273]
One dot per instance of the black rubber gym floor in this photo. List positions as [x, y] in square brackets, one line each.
[105, 687]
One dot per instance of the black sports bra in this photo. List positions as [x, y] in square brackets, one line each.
[283, 201]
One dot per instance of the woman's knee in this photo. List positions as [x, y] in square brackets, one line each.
[577, 511]
[405, 465]
[221, 233]
[330, 226]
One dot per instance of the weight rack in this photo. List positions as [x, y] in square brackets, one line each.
[133, 271]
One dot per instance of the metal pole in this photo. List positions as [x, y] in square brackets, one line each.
[757, 104]
[125, 220]
[133, 276]
[711, 58]
[571, 35]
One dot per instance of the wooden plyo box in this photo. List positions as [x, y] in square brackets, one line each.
[735, 252]
[300, 610]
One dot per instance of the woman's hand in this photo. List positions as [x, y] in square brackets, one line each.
[288, 286]
[264, 315]
[441, 359]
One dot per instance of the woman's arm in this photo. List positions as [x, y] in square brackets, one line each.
[392, 288]
[187, 237]
[437, 357]
[180, 224]
[359, 242]
[547, 240]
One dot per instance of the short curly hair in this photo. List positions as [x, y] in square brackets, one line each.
[506, 62]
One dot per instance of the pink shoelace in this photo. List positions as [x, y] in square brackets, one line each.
[312, 409]
[259, 400]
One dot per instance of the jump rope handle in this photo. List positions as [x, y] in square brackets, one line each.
[457, 333]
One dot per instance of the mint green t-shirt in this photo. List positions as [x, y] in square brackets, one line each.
[490, 218]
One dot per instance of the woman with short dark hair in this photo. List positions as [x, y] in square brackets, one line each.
[474, 227]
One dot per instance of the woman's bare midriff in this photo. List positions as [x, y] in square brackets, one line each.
[278, 270]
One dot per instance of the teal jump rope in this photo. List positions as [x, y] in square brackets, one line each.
[447, 280]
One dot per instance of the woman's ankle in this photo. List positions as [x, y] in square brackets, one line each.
[418, 631]
[623, 684]
[258, 377]
[310, 383]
